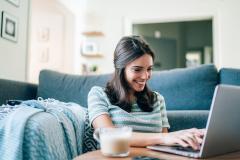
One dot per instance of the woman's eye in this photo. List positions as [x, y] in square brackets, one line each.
[136, 70]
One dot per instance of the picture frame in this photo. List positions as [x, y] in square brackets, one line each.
[9, 29]
[193, 58]
[89, 49]
[43, 34]
[14, 2]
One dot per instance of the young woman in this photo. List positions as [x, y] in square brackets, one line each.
[127, 101]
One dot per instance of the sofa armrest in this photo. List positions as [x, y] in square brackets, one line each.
[16, 90]
[187, 119]
[230, 76]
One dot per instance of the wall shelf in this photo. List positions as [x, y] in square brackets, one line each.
[97, 55]
[93, 34]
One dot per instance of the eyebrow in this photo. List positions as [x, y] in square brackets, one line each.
[141, 66]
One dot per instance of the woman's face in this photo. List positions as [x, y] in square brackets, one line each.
[138, 72]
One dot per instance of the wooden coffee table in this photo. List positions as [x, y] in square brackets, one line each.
[137, 152]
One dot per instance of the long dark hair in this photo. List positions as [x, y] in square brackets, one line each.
[128, 49]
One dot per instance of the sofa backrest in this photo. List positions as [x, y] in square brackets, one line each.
[188, 88]
[16, 90]
[68, 88]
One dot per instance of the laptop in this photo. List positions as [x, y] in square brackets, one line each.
[223, 126]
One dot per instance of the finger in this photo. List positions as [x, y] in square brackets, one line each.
[196, 139]
[190, 135]
[192, 142]
[182, 143]
[203, 131]
[187, 138]
[197, 132]
[199, 140]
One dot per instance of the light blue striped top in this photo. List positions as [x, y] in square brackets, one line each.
[99, 104]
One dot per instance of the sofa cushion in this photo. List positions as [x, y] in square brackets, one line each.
[186, 119]
[186, 88]
[68, 88]
[230, 76]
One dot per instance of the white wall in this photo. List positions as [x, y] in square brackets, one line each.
[57, 51]
[115, 16]
[112, 17]
[229, 33]
[13, 55]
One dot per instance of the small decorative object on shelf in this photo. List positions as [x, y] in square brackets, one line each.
[91, 44]
[90, 69]
[90, 49]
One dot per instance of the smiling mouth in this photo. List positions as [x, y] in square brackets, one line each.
[140, 82]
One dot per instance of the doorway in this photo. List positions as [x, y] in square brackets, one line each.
[178, 44]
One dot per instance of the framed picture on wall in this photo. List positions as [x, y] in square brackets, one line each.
[193, 58]
[43, 34]
[14, 2]
[9, 29]
[89, 49]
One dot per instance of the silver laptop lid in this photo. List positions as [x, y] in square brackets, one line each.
[223, 125]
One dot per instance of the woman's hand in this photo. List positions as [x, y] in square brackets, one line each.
[186, 138]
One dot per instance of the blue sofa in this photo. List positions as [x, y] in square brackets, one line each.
[188, 94]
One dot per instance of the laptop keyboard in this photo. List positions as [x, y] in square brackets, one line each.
[188, 149]
[185, 151]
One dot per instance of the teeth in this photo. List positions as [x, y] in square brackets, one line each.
[140, 82]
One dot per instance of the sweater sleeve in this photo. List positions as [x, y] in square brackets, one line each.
[163, 112]
[97, 103]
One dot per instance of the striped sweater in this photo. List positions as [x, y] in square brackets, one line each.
[99, 104]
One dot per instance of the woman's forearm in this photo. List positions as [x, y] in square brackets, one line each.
[190, 137]
[139, 139]
[145, 139]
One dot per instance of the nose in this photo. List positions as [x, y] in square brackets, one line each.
[145, 75]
